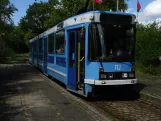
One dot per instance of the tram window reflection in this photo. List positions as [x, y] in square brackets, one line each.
[51, 44]
[60, 46]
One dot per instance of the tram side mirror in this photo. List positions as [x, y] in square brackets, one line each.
[130, 32]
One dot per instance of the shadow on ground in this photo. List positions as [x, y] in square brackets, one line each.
[9, 81]
[9, 76]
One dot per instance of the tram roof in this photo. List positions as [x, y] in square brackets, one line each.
[78, 19]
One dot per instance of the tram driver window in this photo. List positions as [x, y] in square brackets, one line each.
[60, 46]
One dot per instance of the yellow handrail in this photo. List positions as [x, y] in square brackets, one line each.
[81, 59]
[78, 82]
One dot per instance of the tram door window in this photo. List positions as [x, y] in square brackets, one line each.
[71, 49]
[81, 53]
[72, 70]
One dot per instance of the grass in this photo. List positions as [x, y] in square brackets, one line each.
[20, 57]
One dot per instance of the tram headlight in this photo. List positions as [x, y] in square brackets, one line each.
[103, 76]
[110, 75]
[124, 75]
[131, 75]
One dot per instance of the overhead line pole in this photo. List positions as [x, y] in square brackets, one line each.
[117, 5]
[137, 11]
[93, 10]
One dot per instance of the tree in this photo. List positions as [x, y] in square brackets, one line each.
[111, 5]
[6, 11]
[36, 15]
[41, 16]
[62, 10]
[17, 42]
[148, 47]
[67, 8]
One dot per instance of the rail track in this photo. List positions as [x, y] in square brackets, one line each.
[127, 106]
[119, 105]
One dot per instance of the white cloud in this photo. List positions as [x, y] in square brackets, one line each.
[129, 10]
[153, 9]
[151, 13]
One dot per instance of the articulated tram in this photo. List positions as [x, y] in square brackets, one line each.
[95, 48]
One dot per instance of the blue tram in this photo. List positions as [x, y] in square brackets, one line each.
[95, 48]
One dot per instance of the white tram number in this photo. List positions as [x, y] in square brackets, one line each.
[118, 67]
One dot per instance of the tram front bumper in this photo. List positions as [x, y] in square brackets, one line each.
[110, 82]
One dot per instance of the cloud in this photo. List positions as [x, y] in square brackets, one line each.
[129, 10]
[153, 9]
[151, 13]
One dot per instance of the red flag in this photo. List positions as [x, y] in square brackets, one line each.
[98, 1]
[138, 6]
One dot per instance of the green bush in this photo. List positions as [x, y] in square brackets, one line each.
[148, 47]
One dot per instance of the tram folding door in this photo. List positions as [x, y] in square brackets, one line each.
[45, 56]
[72, 60]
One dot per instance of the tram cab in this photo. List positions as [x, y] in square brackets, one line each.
[104, 51]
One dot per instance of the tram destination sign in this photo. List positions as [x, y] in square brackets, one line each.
[113, 18]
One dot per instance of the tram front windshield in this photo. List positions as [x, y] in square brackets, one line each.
[111, 42]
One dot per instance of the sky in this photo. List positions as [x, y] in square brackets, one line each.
[150, 9]
[22, 6]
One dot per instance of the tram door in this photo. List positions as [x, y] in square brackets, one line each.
[45, 56]
[72, 60]
[76, 59]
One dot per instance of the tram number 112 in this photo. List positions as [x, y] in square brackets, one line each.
[118, 67]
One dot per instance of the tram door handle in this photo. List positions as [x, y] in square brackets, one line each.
[81, 59]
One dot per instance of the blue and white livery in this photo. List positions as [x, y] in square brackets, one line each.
[92, 49]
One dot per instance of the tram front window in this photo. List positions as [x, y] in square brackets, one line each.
[111, 42]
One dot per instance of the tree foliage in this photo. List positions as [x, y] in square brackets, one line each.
[36, 15]
[67, 8]
[6, 25]
[148, 46]
[17, 42]
[6, 11]
[41, 16]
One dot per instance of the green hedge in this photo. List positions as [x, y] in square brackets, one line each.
[148, 47]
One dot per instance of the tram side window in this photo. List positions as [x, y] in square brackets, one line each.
[51, 43]
[60, 46]
[40, 45]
